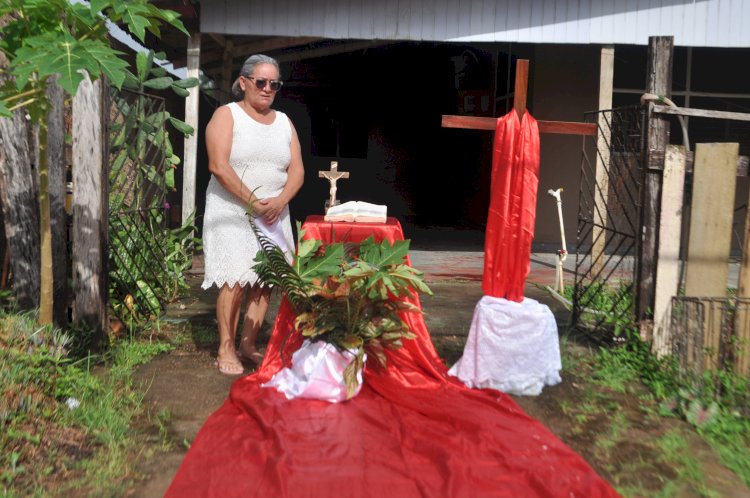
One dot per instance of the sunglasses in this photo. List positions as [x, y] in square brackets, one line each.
[260, 83]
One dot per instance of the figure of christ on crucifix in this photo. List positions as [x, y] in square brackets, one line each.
[333, 175]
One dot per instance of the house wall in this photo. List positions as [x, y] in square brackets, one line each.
[711, 23]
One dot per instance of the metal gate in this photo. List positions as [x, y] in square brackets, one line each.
[609, 220]
[137, 206]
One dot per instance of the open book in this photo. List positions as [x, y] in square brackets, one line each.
[357, 211]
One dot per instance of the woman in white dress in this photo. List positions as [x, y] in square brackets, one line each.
[254, 157]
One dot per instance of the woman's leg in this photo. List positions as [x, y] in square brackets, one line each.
[257, 305]
[227, 315]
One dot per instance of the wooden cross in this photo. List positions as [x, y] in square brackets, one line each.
[519, 104]
[333, 175]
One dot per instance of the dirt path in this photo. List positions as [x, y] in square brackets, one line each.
[617, 433]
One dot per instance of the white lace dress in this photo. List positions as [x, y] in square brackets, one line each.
[260, 156]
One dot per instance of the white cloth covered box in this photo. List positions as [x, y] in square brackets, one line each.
[512, 347]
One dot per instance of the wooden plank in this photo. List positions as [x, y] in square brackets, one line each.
[553, 127]
[57, 193]
[668, 263]
[227, 63]
[601, 190]
[742, 317]
[743, 162]
[190, 159]
[19, 195]
[659, 82]
[712, 210]
[521, 87]
[702, 113]
[90, 208]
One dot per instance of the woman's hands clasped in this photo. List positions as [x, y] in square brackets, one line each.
[270, 209]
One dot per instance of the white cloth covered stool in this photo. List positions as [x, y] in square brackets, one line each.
[512, 347]
[317, 372]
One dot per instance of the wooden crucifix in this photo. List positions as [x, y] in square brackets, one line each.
[519, 105]
[333, 175]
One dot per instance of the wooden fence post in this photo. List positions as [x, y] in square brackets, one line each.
[20, 200]
[191, 117]
[670, 227]
[90, 184]
[56, 192]
[659, 82]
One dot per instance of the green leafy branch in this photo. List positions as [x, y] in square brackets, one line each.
[352, 299]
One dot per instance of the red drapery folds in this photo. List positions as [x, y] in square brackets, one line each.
[413, 431]
[510, 223]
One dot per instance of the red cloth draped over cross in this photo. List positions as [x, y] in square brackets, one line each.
[515, 178]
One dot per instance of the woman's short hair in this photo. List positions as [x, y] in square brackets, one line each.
[247, 69]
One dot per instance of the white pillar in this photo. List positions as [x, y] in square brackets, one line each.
[191, 117]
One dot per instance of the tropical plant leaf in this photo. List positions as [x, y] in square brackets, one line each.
[97, 6]
[135, 20]
[169, 178]
[187, 82]
[181, 126]
[324, 265]
[180, 91]
[158, 71]
[142, 65]
[4, 112]
[158, 83]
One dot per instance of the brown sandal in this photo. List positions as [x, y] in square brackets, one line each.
[256, 357]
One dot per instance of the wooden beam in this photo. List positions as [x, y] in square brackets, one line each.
[90, 207]
[702, 113]
[227, 66]
[190, 158]
[601, 188]
[339, 48]
[743, 162]
[658, 82]
[220, 39]
[521, 88]
[270, 44]
[247, 49]
[552, 127]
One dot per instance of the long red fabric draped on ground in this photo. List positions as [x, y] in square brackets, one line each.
[413, 431]
[510, 223]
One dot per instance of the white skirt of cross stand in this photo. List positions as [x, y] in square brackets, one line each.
[512, 347]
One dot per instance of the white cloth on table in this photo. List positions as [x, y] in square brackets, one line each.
[260, 156]
[512, 347]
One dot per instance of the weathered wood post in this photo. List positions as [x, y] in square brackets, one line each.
[670, 226]
[56, 192]
[90, 206]
[191, 117]
[658, 82]
[603, 140]
[20, 198]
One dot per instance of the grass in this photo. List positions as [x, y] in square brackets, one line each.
[68, 426]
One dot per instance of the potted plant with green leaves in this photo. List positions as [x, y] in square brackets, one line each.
[349, 296]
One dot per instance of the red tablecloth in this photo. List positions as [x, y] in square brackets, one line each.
[413, 431]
